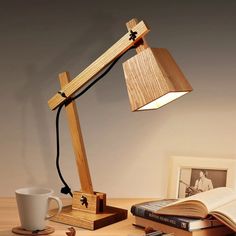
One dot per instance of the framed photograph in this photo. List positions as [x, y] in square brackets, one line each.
[192, 175]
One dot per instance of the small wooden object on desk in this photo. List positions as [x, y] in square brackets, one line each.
[71, 232]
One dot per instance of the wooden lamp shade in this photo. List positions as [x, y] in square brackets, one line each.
[153, 79]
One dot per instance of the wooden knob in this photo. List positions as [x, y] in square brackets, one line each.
[142, 43]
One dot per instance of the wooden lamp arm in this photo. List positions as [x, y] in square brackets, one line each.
[111, 54]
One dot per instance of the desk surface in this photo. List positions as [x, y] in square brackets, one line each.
[9, 219]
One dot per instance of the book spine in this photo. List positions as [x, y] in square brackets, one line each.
[167, 220]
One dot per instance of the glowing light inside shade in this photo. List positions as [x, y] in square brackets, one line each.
[162, 100]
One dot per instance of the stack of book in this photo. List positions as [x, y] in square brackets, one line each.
[211, 213]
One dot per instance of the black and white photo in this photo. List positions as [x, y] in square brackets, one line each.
[195, 180]
[192, 175]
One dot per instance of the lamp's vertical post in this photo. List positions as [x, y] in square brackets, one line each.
[77, 140]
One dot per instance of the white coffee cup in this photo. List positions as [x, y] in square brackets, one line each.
[33, 204]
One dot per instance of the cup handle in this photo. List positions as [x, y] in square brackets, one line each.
[59, 204]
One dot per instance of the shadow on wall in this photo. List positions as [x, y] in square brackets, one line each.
[37, 81]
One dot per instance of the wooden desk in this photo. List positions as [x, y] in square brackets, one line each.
[9, 219]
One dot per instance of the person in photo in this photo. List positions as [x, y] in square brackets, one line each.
[203, 183]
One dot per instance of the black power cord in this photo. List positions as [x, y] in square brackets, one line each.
[66, 189]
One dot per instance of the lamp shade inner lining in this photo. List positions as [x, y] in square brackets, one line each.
[161, 101]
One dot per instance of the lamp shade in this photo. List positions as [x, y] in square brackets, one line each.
[153, 79]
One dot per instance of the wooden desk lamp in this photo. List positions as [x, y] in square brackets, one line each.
[153, 79]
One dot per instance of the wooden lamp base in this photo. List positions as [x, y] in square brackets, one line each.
[88, 220]
[89, 211]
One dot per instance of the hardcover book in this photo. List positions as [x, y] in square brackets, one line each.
[213, 231]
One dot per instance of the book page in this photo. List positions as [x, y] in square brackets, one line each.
[226, 214]
[212, 198]
[215, 197]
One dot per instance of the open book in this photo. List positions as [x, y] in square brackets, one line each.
[218, 202]
[147, 210]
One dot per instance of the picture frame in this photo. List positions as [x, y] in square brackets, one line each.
[184, 169]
